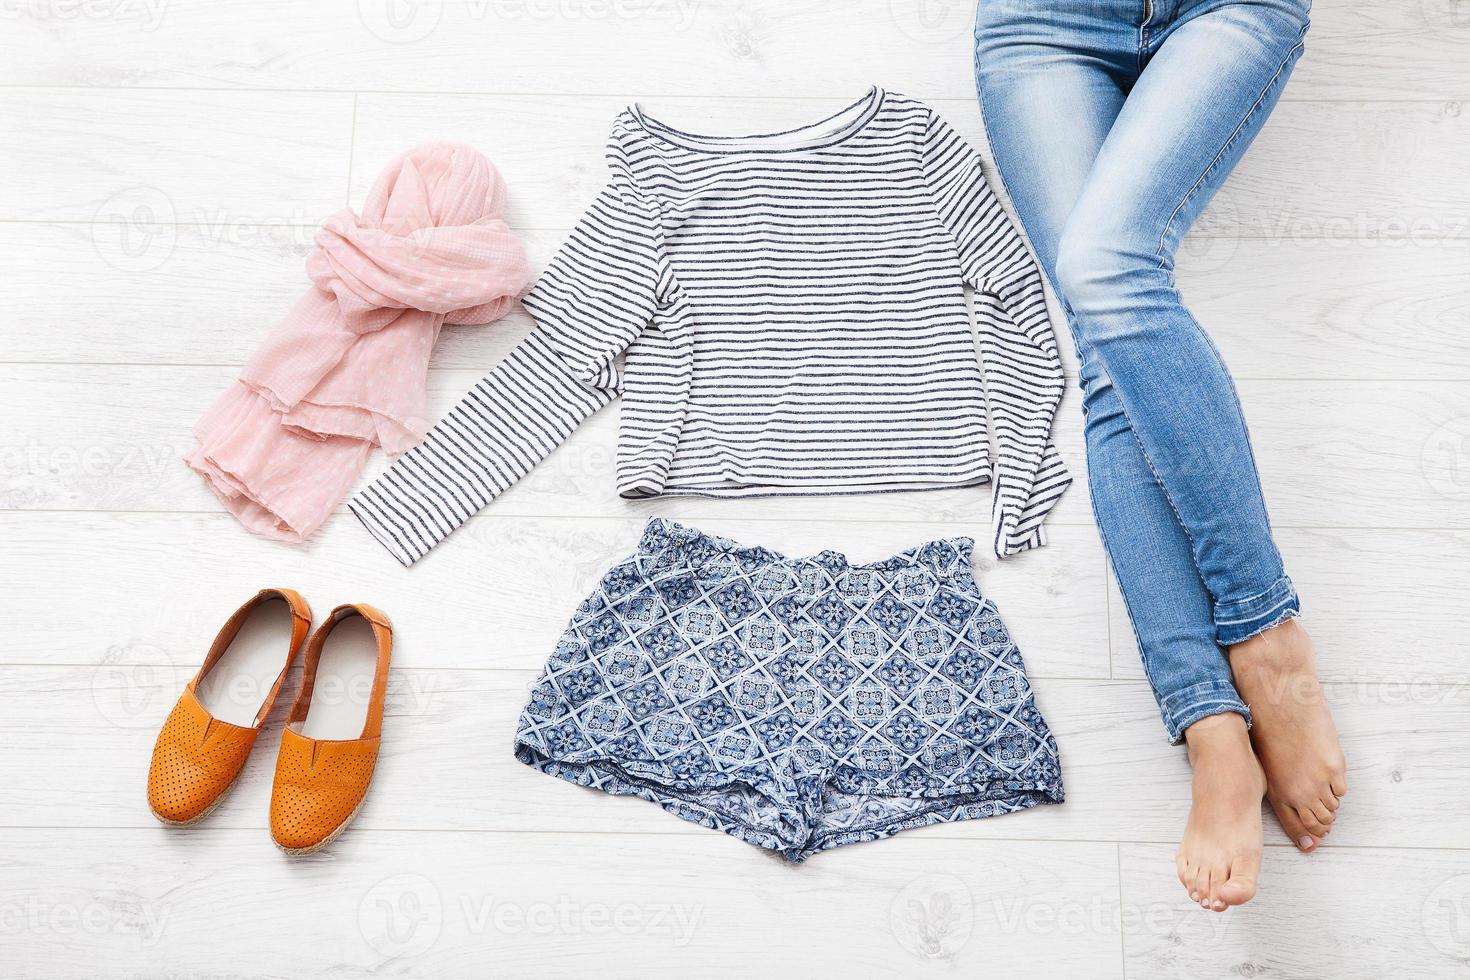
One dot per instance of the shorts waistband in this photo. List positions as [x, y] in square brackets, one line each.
[678, 544]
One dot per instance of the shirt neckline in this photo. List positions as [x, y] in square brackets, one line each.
[830, 130]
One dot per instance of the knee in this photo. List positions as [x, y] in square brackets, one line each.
[1090, 271]
[1099, 272]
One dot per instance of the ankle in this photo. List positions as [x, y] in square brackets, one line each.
[1283, 647]
[1221, 735]
[1220, 753]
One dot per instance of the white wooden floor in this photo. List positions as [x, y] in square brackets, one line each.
[163, 164]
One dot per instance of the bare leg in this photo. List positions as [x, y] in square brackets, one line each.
[1293, 732]
[1219, 858]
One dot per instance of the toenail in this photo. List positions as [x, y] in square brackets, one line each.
[1194, 896]
[1305, 843]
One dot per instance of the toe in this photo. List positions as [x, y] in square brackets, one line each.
[1186, 872]
[1214, 899]
[1293, 826]
[1339, 785]
[1207, 880]
[1199, 888]
[1323, 813]
[1210, 881]
[1310, 822]
[1215, 902]
[1331, 802]
[1240, 887]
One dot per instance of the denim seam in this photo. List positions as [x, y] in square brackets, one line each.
[1239, 409]
[1216, 688]
[1067, 313]
[1159, 257]
[1127, 606]
[1163, 487]
[1288, 594]
[1289, 59]
[1247, 619]
[1200, 710]
[1193, 707]
[1257, 631]
[1076, 340]
[1206, 695]
[1091, 488]
[1173, 507]
[1143, 39]
[1291, 56]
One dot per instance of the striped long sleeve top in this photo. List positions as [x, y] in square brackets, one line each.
[780, 314]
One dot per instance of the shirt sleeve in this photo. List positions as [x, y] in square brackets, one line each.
[598, 294]
[1019, 360]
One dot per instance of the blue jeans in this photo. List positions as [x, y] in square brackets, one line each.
[1113, 123]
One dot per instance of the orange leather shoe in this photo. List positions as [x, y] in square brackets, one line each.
[198, 755]
[330, 748]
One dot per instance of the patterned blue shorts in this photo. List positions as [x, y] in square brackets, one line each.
[796, 703]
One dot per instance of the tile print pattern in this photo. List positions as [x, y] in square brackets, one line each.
[798, 704]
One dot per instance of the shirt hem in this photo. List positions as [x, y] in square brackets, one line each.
[802, 490]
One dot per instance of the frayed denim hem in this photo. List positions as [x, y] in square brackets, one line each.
[1236, 622]
[1183, 708]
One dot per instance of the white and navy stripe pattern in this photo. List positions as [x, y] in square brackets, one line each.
[789, 313]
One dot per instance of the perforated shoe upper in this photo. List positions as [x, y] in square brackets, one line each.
[195, 760]
[197, 756]
[319, 785]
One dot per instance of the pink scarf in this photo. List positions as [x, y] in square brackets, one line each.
[347, 368]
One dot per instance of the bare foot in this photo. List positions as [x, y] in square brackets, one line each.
[1292, 730]
[1220, 856]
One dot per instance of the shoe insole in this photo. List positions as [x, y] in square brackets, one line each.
[344, 682]
[236, 687]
